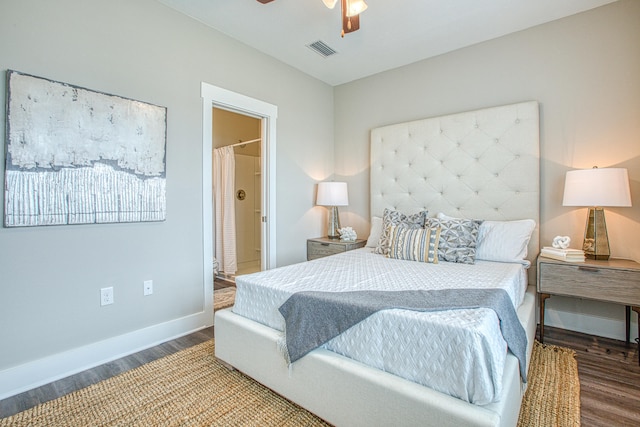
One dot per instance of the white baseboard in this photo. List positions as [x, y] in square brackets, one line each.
[34, 374]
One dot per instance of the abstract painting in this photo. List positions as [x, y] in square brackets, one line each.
[77, 156]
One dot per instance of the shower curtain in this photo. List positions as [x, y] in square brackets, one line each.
[225, 213]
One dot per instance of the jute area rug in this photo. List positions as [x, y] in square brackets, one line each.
[223, 298]
[191, 388]
[553, 391]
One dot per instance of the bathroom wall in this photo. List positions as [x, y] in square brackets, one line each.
[248, 211]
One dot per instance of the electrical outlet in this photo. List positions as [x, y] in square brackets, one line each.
[148, 287]
[106, 296]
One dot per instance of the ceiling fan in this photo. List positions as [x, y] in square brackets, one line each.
[351, 10]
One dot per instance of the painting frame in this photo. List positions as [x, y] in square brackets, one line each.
[79, 156]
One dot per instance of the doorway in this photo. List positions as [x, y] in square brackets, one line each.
[213, 96]
[242, 134]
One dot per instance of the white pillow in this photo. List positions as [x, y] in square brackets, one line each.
[376, 231]
[503, 241]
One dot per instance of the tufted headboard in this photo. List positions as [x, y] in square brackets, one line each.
[480, 164]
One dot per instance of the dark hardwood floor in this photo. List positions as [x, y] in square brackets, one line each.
[609, 377]
[221, 283]
[608, 370]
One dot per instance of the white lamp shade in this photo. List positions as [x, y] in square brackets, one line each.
[597, 187]
[332, 194]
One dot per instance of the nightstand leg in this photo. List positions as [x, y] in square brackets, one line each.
[637, 310]
[627, 315]
[543, 298]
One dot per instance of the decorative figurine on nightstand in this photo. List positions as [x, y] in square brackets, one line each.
[560, 250]
[561, 242]
[347, 234]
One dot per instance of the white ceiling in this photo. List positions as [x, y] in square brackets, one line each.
[392, 32]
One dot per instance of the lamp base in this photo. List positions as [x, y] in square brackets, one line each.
[334, 223]
[596, 240]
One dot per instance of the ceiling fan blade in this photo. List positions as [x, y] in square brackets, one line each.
[349, 25]
[265, 1]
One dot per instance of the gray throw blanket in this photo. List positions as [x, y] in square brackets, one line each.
[313, 318]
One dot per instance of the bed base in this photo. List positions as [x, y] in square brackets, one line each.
[345, 392]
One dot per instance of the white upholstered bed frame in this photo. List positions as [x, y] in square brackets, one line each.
[480, 164]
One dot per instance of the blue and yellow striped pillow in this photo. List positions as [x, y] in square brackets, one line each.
[414, 244]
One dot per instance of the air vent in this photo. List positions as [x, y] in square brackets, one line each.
[321, 48]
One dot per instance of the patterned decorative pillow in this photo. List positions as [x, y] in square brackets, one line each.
[458, 238]
[392, 217]
[414, 244]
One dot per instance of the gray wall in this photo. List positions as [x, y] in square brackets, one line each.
[51, 276]
[585, 72]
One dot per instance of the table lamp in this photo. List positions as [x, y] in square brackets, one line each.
[333, 194]
[596, 188]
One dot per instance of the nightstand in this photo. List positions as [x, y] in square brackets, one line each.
[323, 246]
[615, 280]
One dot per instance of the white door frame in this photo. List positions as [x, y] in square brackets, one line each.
[213, 96]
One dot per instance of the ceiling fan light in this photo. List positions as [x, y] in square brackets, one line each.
[355, 7]
[330, 3]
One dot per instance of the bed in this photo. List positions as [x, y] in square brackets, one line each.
[482, 164]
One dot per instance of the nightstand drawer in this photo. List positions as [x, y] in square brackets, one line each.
[589, 281]
[319, 250]
[322, 247]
